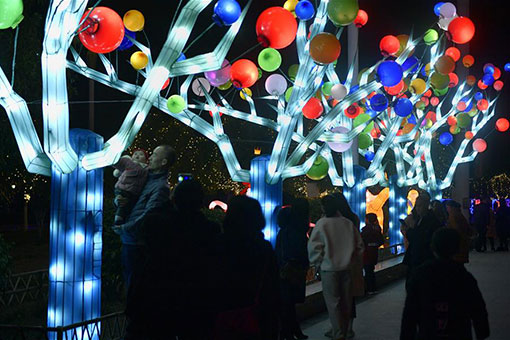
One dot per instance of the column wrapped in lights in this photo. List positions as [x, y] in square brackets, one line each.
[356, 195]
[75, 238]
[397, 209]
[268, 195]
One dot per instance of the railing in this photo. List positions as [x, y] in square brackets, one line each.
[107, 327]
[390, 252]
[24, 287]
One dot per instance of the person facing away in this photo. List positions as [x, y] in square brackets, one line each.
[420, 236]
[443, 298]
[293, 264]
[154, 195]
[131, 172]
[458, 222]
[439, 211]
[332, 245]
[503, 225]
[373, 239]
[247, 274]
[481, 219]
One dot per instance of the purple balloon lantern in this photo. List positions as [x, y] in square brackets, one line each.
[340, 147]
[276, 84]
[221, 76]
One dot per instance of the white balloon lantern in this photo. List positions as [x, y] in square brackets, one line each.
[338, 91]
[338, 146]
[197, 89]
[276, 84]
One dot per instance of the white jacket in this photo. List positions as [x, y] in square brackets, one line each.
[333, 243]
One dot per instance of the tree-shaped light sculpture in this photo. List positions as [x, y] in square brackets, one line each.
[76, 159]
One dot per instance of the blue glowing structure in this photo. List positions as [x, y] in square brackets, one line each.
[357, 194]
[397, 208]
[75, 238]
[268, 195]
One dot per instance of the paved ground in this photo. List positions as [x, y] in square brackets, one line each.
[379, 316]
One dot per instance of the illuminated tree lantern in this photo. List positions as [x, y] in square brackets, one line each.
[243, 73]
[324, 48]
[134, 20]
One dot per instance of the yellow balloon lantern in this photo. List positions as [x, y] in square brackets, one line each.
[139, 60]
[418, 86]
[290, 5]
[134, 20]
[244, 92]
[428, 67]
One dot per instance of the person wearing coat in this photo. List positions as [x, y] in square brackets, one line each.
[503, 225]
[458, 222]
[373, 239]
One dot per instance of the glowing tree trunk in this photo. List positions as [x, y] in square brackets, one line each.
[268, 195]
[397, 208]
[75, 238]
[356, 195]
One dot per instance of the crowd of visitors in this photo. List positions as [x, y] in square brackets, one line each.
[191, 278]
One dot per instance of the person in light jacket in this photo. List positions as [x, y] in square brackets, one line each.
[332, 245]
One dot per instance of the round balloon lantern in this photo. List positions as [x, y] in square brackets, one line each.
[454, 80]
[403, 107]
[288, 93]
[361, 19]
[482, 104]
[403, 38]
[226, 12]
[389, 73]
[139, 60]
[389, 45]
[437, 8]
[325, 48]
[364, 141]
[340, 147]
[453, 52]
[481, 85]
[326, 88]
[304, 10]
[439, 81]
[502, 124]
[468, 135]
[11, 13]
[276, 27]
[221, 76]
[243, 73]
[488, 79]
[362, 119]
[200, 85]
[369, 156]
[134, 20]
[352, 111]
[103, 30]
[497, 73]
[444, 65]
[418, 86]
[468, 61]
[411, 62]
[498, 85]
[452, 121]
[245, 93]
[293, 70]
[126, 42]
[461, 30]
[319, 169]
[470, 80]
[176, 103]
[342, 12]
[269, 59]
[225, 86]
[430, 36]
[446, 138]
[276, 84]
[454, 129]
[479, 145]
[338, 91]
[379, 102]
[313, 108]
[448, 10]
[463, 120]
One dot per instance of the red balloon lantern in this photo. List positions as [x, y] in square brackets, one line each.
[452, 121]
[502, 124]
[454, 80]
[276, 28]
[461, 106]
[103, 30]
[481, 85]
[395, 90]
[470, 80]
[480, 145]
[434, 101]
[313, 108]
[361, 19]
[461, 30]
[352, 111]
[497, 73]
[165, 85]
[498, 85]
[453, 52]
[389, 45]
[482, 104]
[468, 135]
[243, 73]
[468, 60]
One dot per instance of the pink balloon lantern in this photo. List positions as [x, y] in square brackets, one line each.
[199, 85]
[479, 145]
[276, 84]
[221, 76]
[340, 147]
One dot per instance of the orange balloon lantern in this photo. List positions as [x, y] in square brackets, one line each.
[502, 124]
[468, 60]
[461, 30]
[452, 121]
[389, 45]
[481, 85]
[313, 108]
[325, 48]
[243, 73]
[103, 30]
[468, 135]
[461, 106]
[470, 80]
[498, 85]
[361, 19]
[482, 104]
[453, 52]
[276, 28]
[454, 80]
[403, 39]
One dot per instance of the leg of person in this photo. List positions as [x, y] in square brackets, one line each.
[295, 327]
[347, 306]
[286, 318]
[332, 298]
[369, 277]
[491, 241]
[133, 261]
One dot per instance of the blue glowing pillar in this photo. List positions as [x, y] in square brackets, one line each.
[75, 239]
[357, 194]
[398, 210]
[269, 196]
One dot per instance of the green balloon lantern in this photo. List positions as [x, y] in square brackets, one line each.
[176, 103]
[326, 88]
[430, 36]
[11, 13]
[288, 93]
[225, 86]
[319, 169]
[364, 141]
[342, 12]
[463, 120]
[361, 119]
[441, 92]
[293, 70]
[269, 59]
[439, 81]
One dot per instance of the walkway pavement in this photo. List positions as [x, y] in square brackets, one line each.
[379, 315]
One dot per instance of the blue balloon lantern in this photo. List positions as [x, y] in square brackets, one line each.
[488, 79]
[304, 10]
[369, 156]
[353, 89]
[126, 43]
[371, 112]
[437, 8]
[379, 102]
[181, 57]
[403, 107]
[389, 73]
[446, 138]
[469, 104]
[478, 95]
[411, 119]
[507, 67]
[226, 12]
[489, 69]
[411, 62]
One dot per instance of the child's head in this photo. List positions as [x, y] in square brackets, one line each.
[140, 156]
[371, 218]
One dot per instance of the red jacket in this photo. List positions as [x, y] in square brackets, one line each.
[133, 176]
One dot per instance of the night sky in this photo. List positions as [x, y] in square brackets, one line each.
[385, 17]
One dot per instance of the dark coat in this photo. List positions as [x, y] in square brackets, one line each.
[373, 239]
[420, 237]
[442, 300]
[291, 248]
